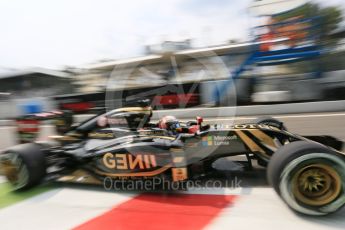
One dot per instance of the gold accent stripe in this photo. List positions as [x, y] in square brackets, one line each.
[135, 109]
[264, 137]
[151, 173]
[80, 176]
[250, 143]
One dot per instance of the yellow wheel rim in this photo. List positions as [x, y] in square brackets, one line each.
[316, 185]
[9, 170]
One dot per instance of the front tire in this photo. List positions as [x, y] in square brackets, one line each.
[309, 177]
[23, 165]
[267, 120]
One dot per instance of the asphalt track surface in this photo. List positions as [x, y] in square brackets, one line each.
[252, 205]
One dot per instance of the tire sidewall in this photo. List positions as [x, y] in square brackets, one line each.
[289, 158]
[30, 163]
[270, 121]
[286, 185]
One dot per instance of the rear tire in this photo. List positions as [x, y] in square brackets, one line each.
[23, 165]
[309, 177]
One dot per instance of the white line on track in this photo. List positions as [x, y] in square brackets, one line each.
[280, 117]
[263, 209]
[63, 208]
[220, 191]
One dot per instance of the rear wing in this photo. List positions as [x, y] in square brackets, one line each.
[28, 126]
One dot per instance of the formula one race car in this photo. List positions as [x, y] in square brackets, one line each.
[307, 172]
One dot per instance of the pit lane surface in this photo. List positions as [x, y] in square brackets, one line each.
[81, 208]
[253, 205]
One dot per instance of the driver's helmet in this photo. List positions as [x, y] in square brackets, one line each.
[169, 123]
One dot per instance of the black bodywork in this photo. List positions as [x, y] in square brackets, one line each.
[123, 143]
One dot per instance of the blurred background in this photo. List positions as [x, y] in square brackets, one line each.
[209, 58]
[196, 53]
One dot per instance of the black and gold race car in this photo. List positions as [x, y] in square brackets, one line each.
[308, 172]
